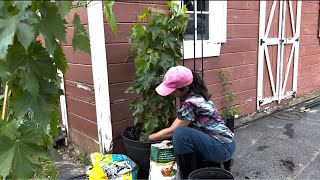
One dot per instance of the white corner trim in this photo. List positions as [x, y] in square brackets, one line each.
[63, 104]
[100, 74]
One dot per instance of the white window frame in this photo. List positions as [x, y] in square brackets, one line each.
[217, 32]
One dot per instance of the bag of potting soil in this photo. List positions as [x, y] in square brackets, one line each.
[162, 161]
[111, 166]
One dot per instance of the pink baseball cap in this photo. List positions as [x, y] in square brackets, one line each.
[176, 77]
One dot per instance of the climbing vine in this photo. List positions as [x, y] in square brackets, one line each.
[229, 111]
[29, 68]
[157, 47]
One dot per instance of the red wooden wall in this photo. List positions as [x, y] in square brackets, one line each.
[239, 55]
[80, 101]
[309, 61]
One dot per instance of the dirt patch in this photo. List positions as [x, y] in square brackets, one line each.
[261, 148]
[72, 155]
[289, 164]
[289, 130]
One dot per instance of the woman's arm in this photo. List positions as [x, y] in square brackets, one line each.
[168, 132]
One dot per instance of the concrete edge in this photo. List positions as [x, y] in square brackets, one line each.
[247, 119]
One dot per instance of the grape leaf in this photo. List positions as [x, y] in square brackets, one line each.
[111, 18]
[25, 30]
[80, 37]
[30, 83]
[64, 7]
[51, 25]
[21, 154]
[60, 60]
[21, 5]
[21, 24]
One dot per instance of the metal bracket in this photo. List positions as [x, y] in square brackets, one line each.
[260, 102]
[262, 41]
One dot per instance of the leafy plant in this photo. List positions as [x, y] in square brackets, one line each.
[29, 68]
[229, 111]
[156, 45]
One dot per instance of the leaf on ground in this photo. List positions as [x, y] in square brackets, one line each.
[80, 37]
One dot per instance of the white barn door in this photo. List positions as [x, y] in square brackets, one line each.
[279, 33]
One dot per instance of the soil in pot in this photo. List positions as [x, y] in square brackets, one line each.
[137, 150]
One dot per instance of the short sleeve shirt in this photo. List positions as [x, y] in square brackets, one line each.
[205, 117]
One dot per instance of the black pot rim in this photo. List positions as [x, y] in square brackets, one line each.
[137, 141]
[212, 169]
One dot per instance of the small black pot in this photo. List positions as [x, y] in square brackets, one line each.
[139, 152]
[230, 123]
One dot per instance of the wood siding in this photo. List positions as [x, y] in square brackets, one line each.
[79, 91]
[309, 61]
[239, 55]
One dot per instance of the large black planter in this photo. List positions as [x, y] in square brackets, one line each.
[139, 152]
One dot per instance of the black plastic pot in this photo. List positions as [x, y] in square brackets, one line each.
[210, 173]
[230, 123]
[139, 152]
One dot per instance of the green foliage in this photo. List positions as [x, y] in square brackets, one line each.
[22, 148]
[30, 70]
[80, 37]
[229, 111]
[157, 47]
[111, 18]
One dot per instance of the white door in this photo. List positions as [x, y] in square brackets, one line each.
[279, 33]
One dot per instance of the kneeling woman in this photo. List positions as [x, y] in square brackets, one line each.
[198, 133]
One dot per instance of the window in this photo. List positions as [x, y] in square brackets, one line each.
[207, 30]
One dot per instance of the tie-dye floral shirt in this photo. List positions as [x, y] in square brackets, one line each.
[204, 117]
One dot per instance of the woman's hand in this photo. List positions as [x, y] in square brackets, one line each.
[168, 132]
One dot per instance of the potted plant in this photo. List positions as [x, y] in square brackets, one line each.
[156, 41]
[229, 113]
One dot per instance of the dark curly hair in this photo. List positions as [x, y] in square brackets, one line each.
[198, 87]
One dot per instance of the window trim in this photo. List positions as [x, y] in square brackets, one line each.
[217, 33]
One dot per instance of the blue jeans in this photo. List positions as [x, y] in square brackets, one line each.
[187, 140]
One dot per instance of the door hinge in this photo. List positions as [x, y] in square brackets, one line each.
[260, 102]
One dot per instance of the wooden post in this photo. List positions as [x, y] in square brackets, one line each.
[4, 108]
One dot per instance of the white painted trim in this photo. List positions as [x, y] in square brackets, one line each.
[296, 54]
[63, 104]
[269, 70]
[100, 75]
[262, 22]
[288, 69]
[281, 41]
[274, 4]
[282, 50]
[217, 32]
